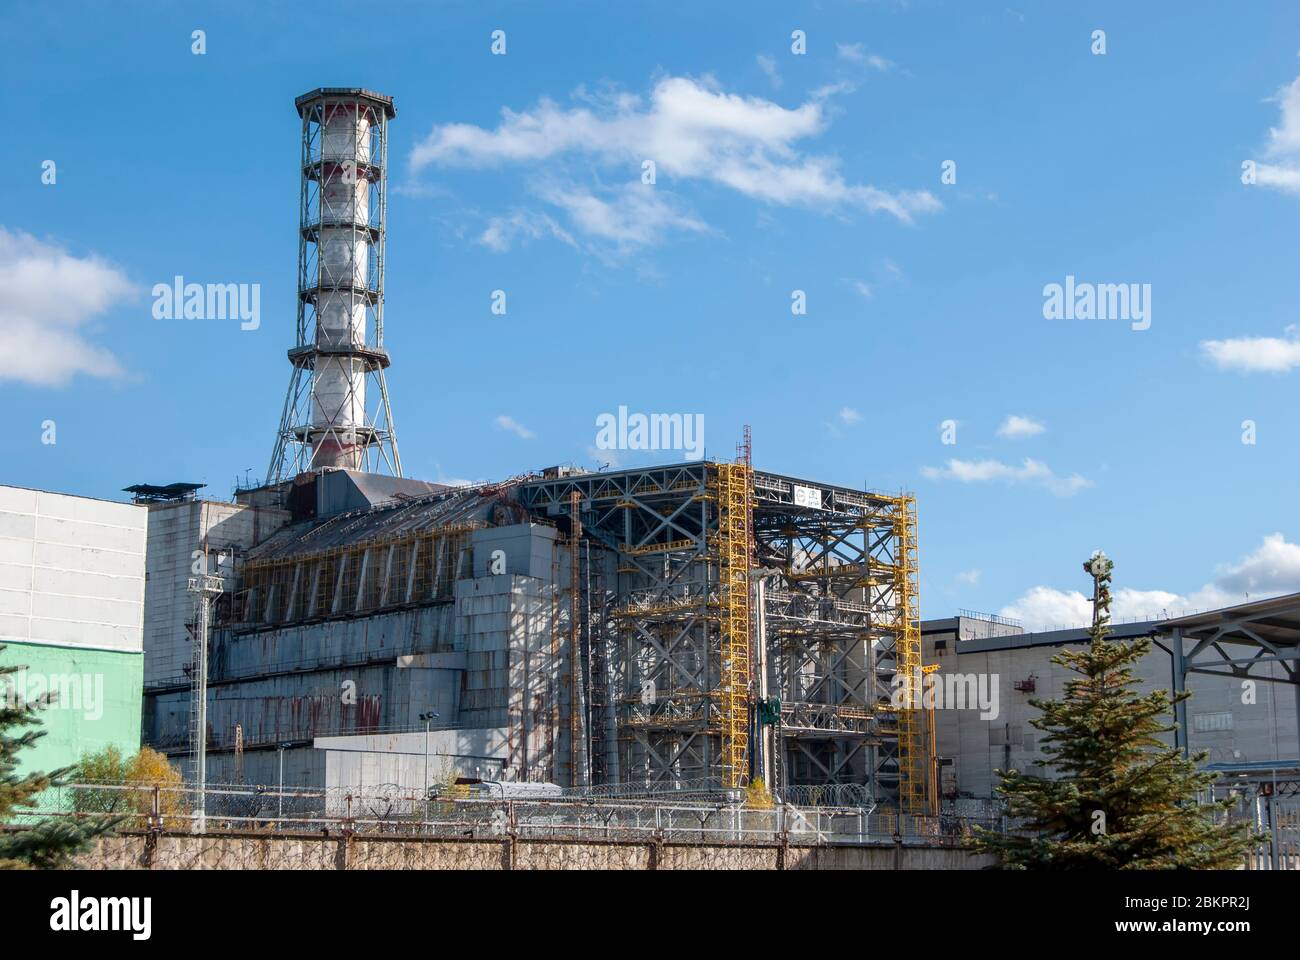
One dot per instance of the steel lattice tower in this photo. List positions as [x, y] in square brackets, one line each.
[336, 412]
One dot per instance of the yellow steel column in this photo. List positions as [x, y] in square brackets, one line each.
[912, 773]
[732, 488]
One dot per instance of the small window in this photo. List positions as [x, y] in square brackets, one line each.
[1212, 722]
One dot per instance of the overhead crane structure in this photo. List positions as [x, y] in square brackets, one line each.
[713, 568]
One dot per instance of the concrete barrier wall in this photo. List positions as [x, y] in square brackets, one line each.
[141, 851]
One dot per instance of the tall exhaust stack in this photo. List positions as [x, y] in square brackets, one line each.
[337, 413]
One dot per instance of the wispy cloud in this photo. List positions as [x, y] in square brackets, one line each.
[1282, 152]
[504, 422]
[857, 53]
[628, 217]
[1032, 472]
[692, 129]
[503, 232]
[844, 417]
[1017, 427]
[1255, 354]
[47, 297]
[969, 577]
[768, 66]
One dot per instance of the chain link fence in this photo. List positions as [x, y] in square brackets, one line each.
[389, 810]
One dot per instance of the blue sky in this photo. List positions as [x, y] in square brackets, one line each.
[776, 172]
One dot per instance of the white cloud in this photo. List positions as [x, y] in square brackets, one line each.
[1286, 179]
[504, 422]
[863, 288]
[633, 216]
[1255, 354]
[1283, 144]
[502, 232]
[857, 53]
[46, 296]
[692, 130]
[1016, 427]
[1031, 472]
[969, 577]
[1271, 570]
[849, 416]
[1284, 139]
[1044, 608]
[768, 66]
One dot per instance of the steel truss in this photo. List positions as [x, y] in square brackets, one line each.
[337, 410]
[1244, 642]
[842, 622]
[839, 612]
[666, 660]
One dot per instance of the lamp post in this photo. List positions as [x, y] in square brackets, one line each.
[280, 748]
[1099, 567]
[428, 719]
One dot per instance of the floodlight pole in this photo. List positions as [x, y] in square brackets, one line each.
[205, 588]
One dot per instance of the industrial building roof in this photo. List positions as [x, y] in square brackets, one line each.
[1275, 620]
[397, 518]
[1043, 638]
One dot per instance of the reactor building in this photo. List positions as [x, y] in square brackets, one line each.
[692, 627]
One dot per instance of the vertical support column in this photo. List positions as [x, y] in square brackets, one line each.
[577, 736]
[731, 487]
[912, 775]
[1180, 686]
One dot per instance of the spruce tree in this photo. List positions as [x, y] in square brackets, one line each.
[1122, 798]
[47, 843]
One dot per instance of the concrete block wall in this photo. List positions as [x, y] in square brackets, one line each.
[176, 532]
[1232, 731]
[72, 570]
[243, 851]
[503, 624]
[399, 759]
[72, 584]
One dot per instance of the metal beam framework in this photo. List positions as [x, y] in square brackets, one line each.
[663, 674]
[336, 410]
[840, 617]
[381, 573]
[842, 622]
[1242, 642]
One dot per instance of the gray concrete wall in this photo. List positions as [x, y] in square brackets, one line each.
[1218, 719]
[175, 532]
[72, 570]
[136, 851]
[482, 661]
[400, 758]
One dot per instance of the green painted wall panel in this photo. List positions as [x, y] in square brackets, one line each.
[100, 698]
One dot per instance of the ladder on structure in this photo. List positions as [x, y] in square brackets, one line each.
[732, 483]
[913, 775]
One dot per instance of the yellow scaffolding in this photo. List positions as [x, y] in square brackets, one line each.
[913, 772]
[733, 484]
